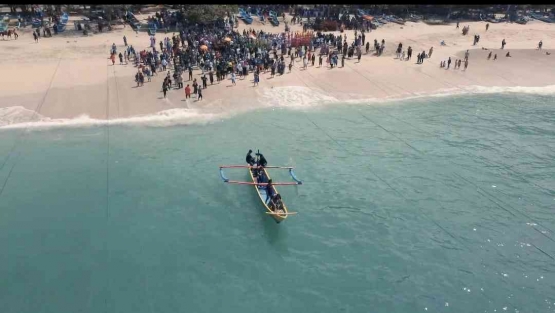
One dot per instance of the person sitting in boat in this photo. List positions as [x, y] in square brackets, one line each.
[261, 160]
[269, 191]
[277, 203]
[262, 177]
[250, 159]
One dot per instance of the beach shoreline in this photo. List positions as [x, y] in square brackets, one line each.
[70, 76]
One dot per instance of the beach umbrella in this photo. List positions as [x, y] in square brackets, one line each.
[203, 48]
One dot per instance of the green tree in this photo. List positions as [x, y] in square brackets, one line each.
[206, 13]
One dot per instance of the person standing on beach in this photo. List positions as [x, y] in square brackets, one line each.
[36, 37]
[409, 53]
[190, 73]
[465, 64]
[256, 79]
[211, 75]
[195, 86]
[120, 58]
[204, 81]
[125, 40]
[489, 55]
[320, 61]
[187, 92]
[199, 97]
[540, 44]
[495, 57]
[113, 58]
[448, 62]
[466, 61]
[165, 88]
[233, 78]
[431, 51]
[487, 26]
[457, 25]
[503, 43]
[313, 59]
[466, 54]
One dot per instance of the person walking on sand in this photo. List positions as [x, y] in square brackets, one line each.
[313, 59]
[113, 58]
[465, 64]
[489, 55]
[487, 26]
[187, 92]
[320, 61]
[165, 87]
[211, 76]
[540, 44]
[503, 43]
[466, 54]
[431, 51]
[460, 63]
[495, 57]
[36, 37]
[124, 39]
[190, 73]
[120, 58]
[199, 97]
[448, 62]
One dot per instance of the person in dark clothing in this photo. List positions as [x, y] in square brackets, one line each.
[165, 88]
[270, 191]
[190, 73]
[204, 82]
[261, 160]
[211, 75]
[250, 159]
[199, 97]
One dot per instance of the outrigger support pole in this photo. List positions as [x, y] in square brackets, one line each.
[295, 177]
[225, 179]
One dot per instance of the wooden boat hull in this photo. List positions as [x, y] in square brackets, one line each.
[261, 191]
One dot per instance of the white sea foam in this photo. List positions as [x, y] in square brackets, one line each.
[291, 97]
[295, 97]
[20, 117]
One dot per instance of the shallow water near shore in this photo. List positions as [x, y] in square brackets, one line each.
[429, 205]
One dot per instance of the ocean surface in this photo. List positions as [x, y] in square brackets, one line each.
[440, 204]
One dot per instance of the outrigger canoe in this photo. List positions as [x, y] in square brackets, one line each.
[278, 214]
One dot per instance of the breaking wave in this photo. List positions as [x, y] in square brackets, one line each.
[292, 97]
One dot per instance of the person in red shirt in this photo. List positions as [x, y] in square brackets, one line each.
[187, 92]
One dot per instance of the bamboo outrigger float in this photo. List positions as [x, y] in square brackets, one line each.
[274, 206]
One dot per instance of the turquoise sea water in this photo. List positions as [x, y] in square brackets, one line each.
[430, 205]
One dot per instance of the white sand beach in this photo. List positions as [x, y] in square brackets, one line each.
[70, 75]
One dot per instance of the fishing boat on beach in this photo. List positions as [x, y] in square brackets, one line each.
[265, 188]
